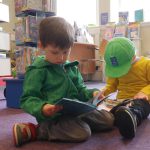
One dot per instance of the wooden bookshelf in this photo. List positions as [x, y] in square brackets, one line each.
[85, 54]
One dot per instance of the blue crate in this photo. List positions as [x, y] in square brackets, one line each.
[14, 89]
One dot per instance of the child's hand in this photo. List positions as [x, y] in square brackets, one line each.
[141, 95]
[101, 95]
[50, 110]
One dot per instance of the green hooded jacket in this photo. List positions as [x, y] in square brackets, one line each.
[47, 83]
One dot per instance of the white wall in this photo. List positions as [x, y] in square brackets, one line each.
[5, 67]
[145, 38]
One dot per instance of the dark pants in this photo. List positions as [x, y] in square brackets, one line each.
[139, 107]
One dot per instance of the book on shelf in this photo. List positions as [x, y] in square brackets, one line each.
[49, 5]
[31, 29]
[25, 57]
[20, 30]
[123, 17]
[104, 18]
[120, 30]
[21, 5]
[109, 31]
[134, 30]
[40, 5]
[26, 29]
[138, 15]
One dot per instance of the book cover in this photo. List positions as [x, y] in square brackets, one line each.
[139, 15]
[74, 107]
[123, 17]
[120, 30]
[109, 32]
[104, 18]
[19, 4]
[34, 5]
[20, 30]
[134, 30]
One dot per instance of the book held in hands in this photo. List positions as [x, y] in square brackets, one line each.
[74, 107]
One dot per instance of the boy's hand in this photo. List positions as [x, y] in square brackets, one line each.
[101, 96]
[50, 110]
[141, 95]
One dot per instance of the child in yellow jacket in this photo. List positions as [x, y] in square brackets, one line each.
[129, 76]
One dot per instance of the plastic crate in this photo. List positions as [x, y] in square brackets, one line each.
[14, 89]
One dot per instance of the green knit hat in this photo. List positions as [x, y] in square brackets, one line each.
[118, 56]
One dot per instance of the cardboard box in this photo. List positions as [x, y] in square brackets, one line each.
[85, 54]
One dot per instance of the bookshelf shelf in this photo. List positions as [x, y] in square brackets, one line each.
[30, 44]
[33, 12]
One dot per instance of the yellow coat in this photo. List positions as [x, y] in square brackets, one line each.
[136, 80]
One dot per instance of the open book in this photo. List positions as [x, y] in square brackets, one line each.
[74, 107]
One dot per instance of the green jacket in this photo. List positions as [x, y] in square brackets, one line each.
[47, 83]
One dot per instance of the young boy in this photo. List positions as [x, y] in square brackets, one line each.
[129, 75]
[50, 79]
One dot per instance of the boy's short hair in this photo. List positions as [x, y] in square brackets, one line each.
[56, 31]
[118, 56]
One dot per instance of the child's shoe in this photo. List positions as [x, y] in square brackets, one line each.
[126, 122]
[24, 132]
[130, 114]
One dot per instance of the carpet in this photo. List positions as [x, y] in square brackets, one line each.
[100, 141]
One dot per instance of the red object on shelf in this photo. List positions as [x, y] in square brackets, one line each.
[2, 82]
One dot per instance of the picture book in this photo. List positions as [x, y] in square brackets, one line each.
[104, 18]
[40, 5]
[20, 30]
[139, 15]
[24, 57]
[134, 30]
[109, 32]
[75, 107]
[110, 103]
[31, 29]
[123, 17]
[120, 30]
[19, 4]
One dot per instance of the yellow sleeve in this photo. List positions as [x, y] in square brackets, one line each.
[146, 89]
[111, 86]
